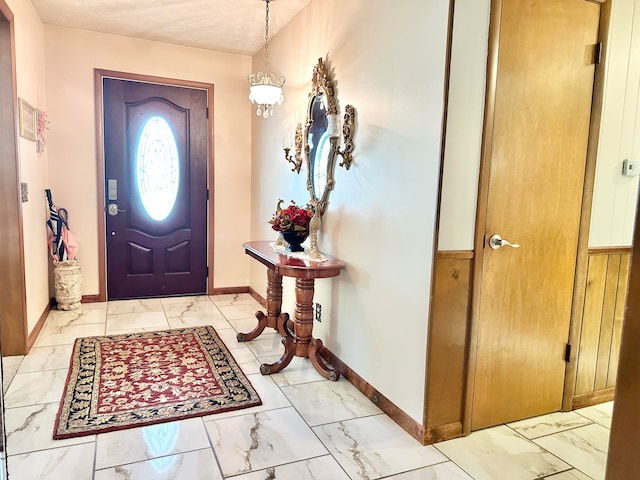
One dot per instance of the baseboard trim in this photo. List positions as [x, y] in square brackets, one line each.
[53, 303]
[593, 398]
[90, 298]
[234, 290]
[229, 290]
[440, 433]
[259, 298]
[412, 427]
[31, 339]
[216, 291]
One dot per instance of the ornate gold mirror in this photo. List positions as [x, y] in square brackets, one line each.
[322, 137]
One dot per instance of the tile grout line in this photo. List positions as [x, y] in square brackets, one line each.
[435, 445]
[572, 467]
[590, 422]
[168, 455]
[95, 458]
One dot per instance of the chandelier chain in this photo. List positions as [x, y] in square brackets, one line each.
[266, 39]
[265, 89]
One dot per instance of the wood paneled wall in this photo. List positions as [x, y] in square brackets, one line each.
[446, 357]
[604, 305]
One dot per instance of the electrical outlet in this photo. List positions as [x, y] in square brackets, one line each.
[318, 312]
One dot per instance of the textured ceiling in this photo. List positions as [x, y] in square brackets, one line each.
[234, 26]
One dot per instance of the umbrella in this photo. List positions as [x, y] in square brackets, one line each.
[69, 243]
[56, 247]
[62, 245]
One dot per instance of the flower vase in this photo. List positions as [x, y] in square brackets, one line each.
[295, 239]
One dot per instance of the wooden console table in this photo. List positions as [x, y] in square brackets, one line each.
[300, 342]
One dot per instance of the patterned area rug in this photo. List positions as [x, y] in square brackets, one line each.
[123, 381]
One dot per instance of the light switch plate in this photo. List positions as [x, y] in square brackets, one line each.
[24, 192]
[631, 168]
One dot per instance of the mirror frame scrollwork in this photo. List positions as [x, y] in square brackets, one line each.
[322, 86]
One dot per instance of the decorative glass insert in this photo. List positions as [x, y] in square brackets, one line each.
[157, 168]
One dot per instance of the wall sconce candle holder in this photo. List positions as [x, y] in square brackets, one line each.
[348, 128]
[297, 159]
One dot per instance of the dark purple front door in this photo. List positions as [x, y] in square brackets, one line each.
[156, 189]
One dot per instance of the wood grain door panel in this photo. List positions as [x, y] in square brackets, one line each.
[538, 152]
[147, 255]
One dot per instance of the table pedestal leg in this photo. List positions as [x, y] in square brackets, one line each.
[322, 367]
[303, 319]
[273, 318]
[289, 351]
[303, 344]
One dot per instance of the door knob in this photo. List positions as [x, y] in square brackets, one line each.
[496, 241]
[113, 209]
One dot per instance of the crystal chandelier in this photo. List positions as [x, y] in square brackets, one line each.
[265, 88]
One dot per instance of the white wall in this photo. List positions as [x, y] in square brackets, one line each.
[71, 56]
[614, 200]
[614, 197]
[30, 78]
[388, 61]
[465, 117]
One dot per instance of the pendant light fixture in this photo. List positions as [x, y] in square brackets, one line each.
[266, 88]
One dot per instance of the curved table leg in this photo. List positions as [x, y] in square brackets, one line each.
[322, 367]
[274, 304]
[289, 353]
[262, 324]
[285, 325]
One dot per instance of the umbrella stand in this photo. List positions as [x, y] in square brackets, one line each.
[67, 281]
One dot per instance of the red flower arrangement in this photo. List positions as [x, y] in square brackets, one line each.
[292, 219]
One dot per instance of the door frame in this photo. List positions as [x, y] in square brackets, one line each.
[13, 296]
[482, 202]
[99, 75]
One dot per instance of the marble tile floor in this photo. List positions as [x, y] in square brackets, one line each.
[307, 427]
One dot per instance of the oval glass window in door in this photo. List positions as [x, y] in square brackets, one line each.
[157, 168]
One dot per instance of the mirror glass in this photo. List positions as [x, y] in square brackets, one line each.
[319, 146]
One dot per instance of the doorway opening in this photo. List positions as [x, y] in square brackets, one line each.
[156, 171]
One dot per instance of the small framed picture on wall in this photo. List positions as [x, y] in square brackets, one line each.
[28, 121]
